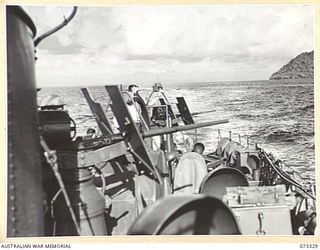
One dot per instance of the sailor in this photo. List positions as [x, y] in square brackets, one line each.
[157, 93]
[158, 113]
[133, 89]
[133, 93]
[198, 148]
[183, 142]
[132, 111]
[160, 107]
[91, 133]
[140, 106]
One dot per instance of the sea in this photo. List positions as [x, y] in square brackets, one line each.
[278, 115]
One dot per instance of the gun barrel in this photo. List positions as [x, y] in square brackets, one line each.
[203, 112]
[198, 113]
[161, 131]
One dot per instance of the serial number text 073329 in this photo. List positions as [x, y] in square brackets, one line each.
[308, 246]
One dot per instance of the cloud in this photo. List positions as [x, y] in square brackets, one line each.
[128, 43]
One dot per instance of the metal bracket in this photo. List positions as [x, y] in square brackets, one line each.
[260, 231]
[98, 113]
[93, 157]
[184, 111]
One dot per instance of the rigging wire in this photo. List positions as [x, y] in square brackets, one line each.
[60, 26]
[51, 158]
[287, 178]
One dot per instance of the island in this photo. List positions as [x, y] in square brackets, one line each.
[299, 67]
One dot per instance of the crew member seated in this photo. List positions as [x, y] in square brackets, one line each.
[90, 134]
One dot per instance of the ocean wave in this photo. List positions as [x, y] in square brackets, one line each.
[246, 116]
[281, 136]
[308, 107]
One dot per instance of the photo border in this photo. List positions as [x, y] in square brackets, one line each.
[151, 239]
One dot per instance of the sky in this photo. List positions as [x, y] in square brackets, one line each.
[171, 44]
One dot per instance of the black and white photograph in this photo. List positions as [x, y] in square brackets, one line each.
[127, 120]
